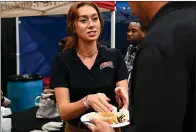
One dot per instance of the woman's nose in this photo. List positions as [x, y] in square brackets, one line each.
[91, 24]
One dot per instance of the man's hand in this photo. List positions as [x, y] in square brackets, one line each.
[100, 126]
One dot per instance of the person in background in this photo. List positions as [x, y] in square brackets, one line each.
[164, 73]
[62, 44]
[87, 76]
[135, 35]
[46, 80]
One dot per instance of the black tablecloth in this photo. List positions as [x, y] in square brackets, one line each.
[26, 121]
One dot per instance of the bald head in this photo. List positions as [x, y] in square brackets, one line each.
[145, 10]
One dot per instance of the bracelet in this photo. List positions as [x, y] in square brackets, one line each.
[85, 102]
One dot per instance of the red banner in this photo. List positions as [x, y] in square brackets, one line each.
[108, 5]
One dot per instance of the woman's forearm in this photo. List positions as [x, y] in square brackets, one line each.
[72, 110]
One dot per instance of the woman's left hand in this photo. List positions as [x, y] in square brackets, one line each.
[122, 97]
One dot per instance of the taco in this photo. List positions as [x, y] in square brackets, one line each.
[109, 117]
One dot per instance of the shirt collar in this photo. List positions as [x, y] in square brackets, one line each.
[102, 52]
[134, 46]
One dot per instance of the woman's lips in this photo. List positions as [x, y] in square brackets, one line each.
[92, 33]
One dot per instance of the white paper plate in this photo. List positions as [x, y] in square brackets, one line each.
[52, 126]
[85, 119]
[46, 128]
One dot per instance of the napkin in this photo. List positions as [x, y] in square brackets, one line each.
[52, 126]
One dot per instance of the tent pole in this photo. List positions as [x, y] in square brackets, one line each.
[0, 45]
[113, 23]
[17, 47]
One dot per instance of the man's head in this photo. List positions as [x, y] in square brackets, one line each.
[145, 10]
[136, 32]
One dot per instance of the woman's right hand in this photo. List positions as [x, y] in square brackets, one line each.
[99, 102]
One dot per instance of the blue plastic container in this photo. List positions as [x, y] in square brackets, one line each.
[22, 91]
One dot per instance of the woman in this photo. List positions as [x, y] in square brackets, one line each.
[85, 74]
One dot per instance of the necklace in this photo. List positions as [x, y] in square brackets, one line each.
[89, 56]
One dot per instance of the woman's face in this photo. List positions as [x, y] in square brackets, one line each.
[88, 25]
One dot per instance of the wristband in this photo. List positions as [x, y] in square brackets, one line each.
[85, 102]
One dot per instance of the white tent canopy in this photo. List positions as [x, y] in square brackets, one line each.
[40, 8]
[36, 8]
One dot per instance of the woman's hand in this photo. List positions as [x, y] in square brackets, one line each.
[99, 102]
[122, 97]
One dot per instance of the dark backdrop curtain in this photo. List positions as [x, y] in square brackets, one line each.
[8, 50]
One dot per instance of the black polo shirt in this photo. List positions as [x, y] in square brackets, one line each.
[164, 72]
[68, 71]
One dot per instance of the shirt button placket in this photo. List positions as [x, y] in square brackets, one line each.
[90, 77]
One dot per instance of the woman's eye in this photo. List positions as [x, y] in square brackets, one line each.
[95, 18]
[83, 20]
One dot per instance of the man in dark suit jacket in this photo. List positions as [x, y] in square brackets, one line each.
[164, 72]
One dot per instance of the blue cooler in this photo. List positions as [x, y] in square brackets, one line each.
[22, 91]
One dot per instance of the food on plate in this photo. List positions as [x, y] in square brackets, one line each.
[123, 115]
[106, 116]
[111, 117]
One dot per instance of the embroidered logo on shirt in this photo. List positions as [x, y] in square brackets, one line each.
[106, 64]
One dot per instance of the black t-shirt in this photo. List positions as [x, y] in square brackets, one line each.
[68, 71]
[163, 85]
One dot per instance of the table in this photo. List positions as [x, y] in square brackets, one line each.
[26, 120]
